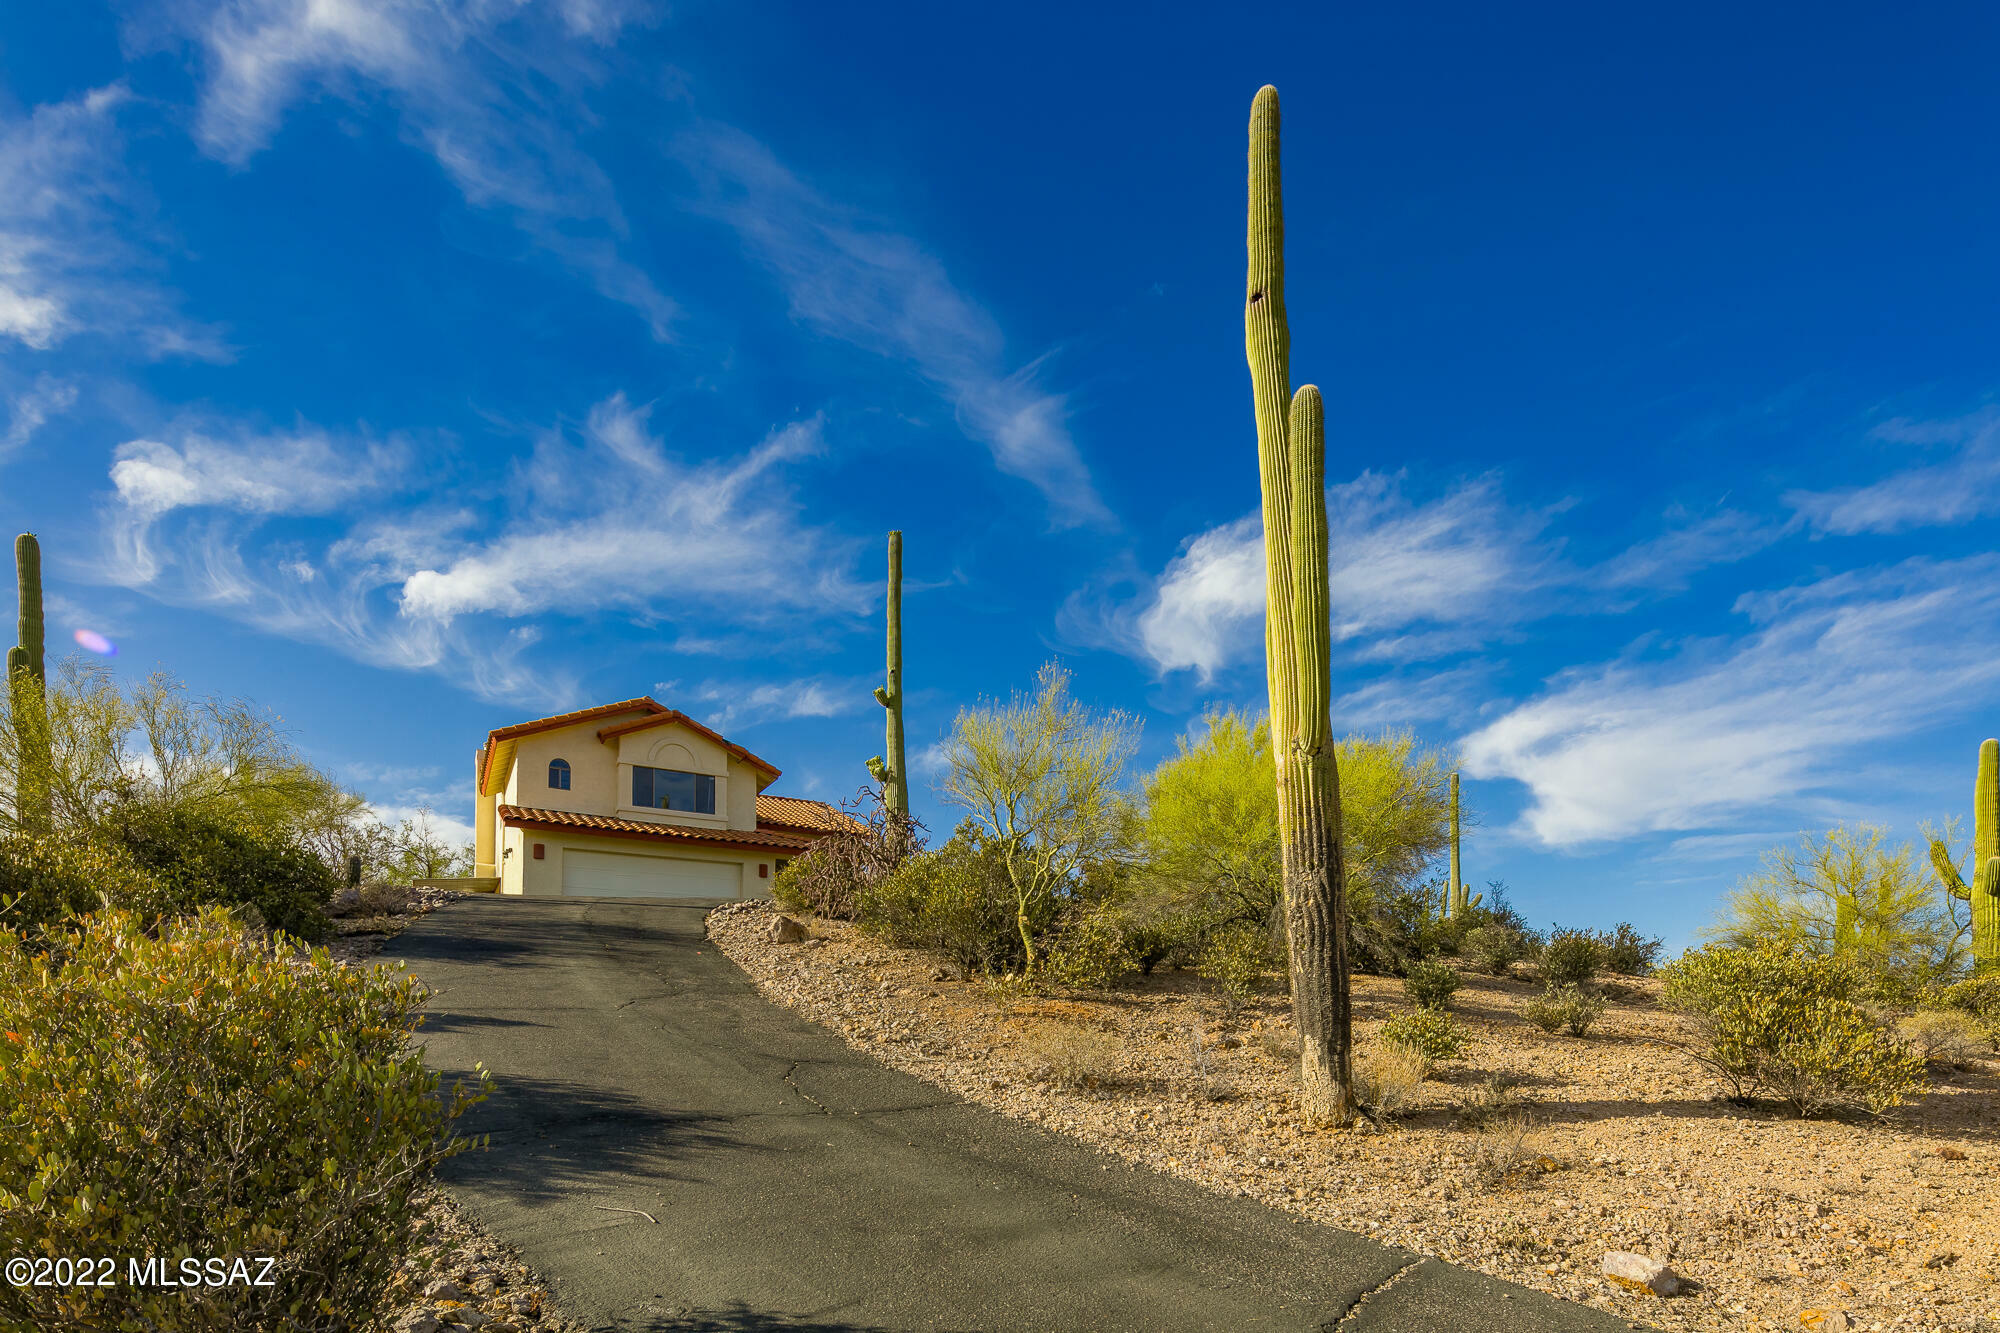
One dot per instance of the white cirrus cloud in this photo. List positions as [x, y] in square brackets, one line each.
[77, 238]
[860, 280]
[492, 91]
[1961, 487]
[303, 471]
[31, 408]
[1727, 730]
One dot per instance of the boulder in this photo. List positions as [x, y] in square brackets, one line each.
[444, 1289]
[344, 903]
[1637, 1272]
[422, 1321]
[784, 930]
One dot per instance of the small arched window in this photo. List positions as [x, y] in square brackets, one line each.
[559, 774]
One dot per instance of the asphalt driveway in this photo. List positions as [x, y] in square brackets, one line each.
[799, 1184]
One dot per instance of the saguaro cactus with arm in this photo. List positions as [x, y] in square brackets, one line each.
[892, 771]
[1458, 895]
[1984, 891]
[1291, 458]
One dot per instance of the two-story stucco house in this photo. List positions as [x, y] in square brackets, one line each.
[633, 800]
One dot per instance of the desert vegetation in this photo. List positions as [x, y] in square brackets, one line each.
[180, 1072]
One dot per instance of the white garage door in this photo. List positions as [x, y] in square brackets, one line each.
[617, 875]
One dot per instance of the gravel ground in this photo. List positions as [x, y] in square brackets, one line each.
[1612, 1142]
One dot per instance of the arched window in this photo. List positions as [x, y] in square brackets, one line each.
[559, 774]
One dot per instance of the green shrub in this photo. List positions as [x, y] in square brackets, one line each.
[1624, 951]
[1570, 958]
[1980, 997]
[207, 860]
[1236, 959]
[202, 1094]
[1494, 949]
[953, 901]
[1776, 1018]
[1947, 1038]
[1431, 1034]
[1568, 1007]
[1429, 984]
[1090, 952]
[1172, 937]
[44, 881]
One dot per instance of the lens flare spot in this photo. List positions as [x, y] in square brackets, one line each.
[96, 643]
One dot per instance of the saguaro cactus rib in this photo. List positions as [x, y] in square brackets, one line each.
[891, 770]
[1291, 460]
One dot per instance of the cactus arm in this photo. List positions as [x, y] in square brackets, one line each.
[1947, 872]
[882, 697]
[17, 660]
[1475, 899]
[1985, 803]
[878, 770]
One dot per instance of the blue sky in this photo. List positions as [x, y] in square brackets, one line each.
[416, 368]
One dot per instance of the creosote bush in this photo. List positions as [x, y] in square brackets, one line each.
[1776, 1018]
[1624, 951]
[45, 880]
[1980, 997]
[1090, 952]
[1494, 949]
[1565, 1007]
[1570, 958]
[1430, 1034]
[1236, 959]
[1946, 1038]
[1430, 983]
[200, 1094]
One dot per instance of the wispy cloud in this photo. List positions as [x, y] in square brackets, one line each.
[30, 410]
[731, 705]
[860, 280]
[1956, 489]
[595, 517]
[1719, 730]
[491, 91]
[76, 239]
[1409, 581]
[613, 520]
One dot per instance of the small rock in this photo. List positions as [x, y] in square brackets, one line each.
[941, 975]
[485, 1284]
[1951, 1154]
[1825, 1321]
[784, 930]
[1637, 1272]
[420, 1322]
[1230, 1043]
[444, 1289]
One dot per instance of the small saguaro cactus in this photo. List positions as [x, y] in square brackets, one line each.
[353, 871]
[27, 684]
[1984, 891]
[1458, 896]
[1291, 463]
[892, 771]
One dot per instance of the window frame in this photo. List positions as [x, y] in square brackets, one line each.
[703, 784]
[561, 766]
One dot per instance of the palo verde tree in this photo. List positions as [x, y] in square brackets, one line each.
[892, 768]
[1040, 776]
[1291, 458]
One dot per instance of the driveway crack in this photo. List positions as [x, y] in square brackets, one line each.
[1372, 1293]
[801, 1091]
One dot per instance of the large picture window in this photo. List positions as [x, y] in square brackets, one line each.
[671, 789]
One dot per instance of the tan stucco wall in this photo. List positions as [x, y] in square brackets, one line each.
[543, 878]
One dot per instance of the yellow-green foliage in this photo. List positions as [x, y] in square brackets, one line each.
[1236, 958]
[196, 1095]
[1570, 958]
[1091, 952]
[1430, 983]
[46, 880]
[1565, 1007]
[955, 901]
[1431, 1034]
[1980, 997]
[1780, 1019]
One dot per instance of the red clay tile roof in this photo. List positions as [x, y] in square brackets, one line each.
[500, 734]
[667, 715]
[566, 820]
[798, 813]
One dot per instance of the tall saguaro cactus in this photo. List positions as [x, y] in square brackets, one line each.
[892, 771]
[27, 683]
[1458, 896]
[1291, 461]
[1984, 891]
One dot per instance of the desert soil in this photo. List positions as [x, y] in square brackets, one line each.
[1617, 1141]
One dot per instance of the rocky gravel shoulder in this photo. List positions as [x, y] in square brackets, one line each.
[1533, 1158]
